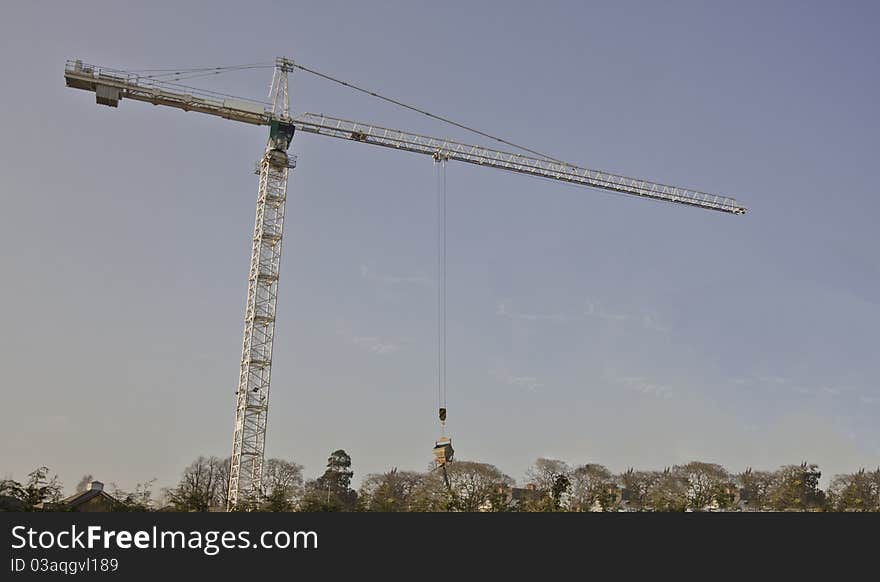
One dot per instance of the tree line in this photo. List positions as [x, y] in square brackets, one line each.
[550, 485]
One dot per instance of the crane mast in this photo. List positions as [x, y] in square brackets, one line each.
[255, 370]
[252, 396]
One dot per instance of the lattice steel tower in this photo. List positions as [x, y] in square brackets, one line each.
[252, 397]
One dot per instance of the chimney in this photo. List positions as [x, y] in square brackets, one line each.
[96, 486]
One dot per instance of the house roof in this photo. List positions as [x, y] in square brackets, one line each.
[80, 498]
[77, 499]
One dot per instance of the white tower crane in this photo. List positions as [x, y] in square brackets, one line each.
[252, 397]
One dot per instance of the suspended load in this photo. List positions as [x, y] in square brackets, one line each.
[443, 451]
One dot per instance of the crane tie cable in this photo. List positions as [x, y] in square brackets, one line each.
[197, 72]
[431, 115]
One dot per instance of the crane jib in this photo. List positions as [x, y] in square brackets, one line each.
[110, 86]
[512, 162]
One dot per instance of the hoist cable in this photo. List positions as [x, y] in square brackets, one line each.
[440, 170]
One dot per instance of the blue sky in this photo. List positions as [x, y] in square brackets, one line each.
[581, 326]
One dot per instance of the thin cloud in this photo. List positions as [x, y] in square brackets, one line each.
[370, 274]
[795, 386]
[375, 344]
[774, 380]
[503, 375]
[648, 320]
[558, 317]
[645, 386]
[592, 309]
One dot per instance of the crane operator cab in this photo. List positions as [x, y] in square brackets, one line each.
[443, 451]
[281, 134]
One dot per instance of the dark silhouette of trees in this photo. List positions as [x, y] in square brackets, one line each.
[140, 499]
[282, 485]
[636, 487]
[706, 485]
[755, 488]
[332, 491]
[202, 485]
[592, 486]
[668, 491]
[38, 489]
[390, 491]
[859, 491]
[551, 480]
[472, 486]
[552, 485]
[796, 488]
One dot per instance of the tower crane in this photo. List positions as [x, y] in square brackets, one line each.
[163, 87]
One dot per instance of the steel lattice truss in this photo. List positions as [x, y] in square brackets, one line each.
[160, 93]
[482, 156]
[252, 398]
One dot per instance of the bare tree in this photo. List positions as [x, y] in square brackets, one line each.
[472, 487]
[704, 484]
[140, 499]
[544, 472]
[201, 485]
[432, 494]
[222, 468]
[390, 491]
[636, 487]
[552, 479]
[755, 487]
[591, 485]
[282, 485]
[474, 484]
[669, 491]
